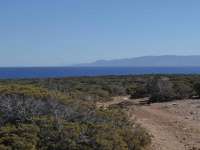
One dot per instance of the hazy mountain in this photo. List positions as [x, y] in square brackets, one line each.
[149, 61]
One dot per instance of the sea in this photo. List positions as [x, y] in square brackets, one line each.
[49, 72]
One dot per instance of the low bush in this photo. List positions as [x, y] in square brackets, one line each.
[137, 92]
[47, 133]
[34, 117]
[197, 89]
[161, 89]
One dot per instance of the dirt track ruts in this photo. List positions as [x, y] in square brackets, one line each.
[173, 125]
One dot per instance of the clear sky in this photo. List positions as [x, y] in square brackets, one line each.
[63, 32]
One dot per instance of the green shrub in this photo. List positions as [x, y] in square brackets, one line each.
[138, 92]
[161, 90]
[22, 137]
[50, 133]
[197, 88]
[60, 114]
[183, 90]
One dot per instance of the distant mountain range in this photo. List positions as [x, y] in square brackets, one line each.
[149, 61]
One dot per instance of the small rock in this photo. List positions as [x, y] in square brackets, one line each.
[187, 118]
[174, 104]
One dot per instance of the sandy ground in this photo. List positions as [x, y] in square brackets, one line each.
[173, 125]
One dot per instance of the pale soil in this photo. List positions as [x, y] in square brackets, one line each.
[173, 125]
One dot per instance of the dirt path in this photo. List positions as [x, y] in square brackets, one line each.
[173, 125]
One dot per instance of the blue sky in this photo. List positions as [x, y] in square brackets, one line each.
[63, 32]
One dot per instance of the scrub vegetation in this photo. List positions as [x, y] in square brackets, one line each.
[61, 113]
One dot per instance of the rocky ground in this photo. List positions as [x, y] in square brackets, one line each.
[173, 125]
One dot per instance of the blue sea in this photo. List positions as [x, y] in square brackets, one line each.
[44, 72]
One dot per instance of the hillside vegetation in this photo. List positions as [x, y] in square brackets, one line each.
[61, 113]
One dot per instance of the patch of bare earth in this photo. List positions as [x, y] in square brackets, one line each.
[173, 125]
